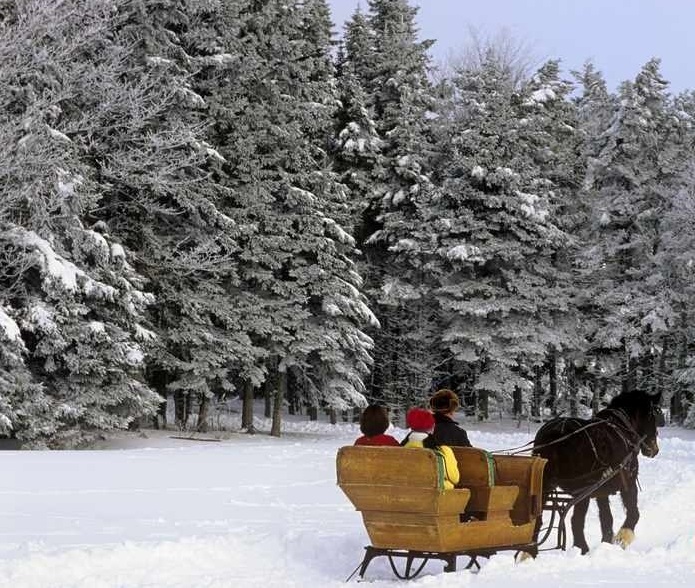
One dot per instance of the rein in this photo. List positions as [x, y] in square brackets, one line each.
[619, 412]
[530, 447]
[623, 428]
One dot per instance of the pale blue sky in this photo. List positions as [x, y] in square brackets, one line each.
[618, 35]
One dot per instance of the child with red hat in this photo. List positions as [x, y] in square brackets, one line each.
[421, 424]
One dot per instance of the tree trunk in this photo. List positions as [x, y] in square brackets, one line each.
[269, 387]
[280, 392]
[483, 405]
[551, 401]
[660, 371]
[647, 364]
[595, 397]
[160, 419]
[629, 371]
[203, 410]
[313, 412]
[572, 389]
[517, 403]
[293, 404]
[356, 413]
[247, 409]
[537, 391]
[333, 416]
[180, 409]
[677, 405]
[267, 400]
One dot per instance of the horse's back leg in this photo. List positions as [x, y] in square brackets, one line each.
[578, 520]
[626, 534]
[606, 518]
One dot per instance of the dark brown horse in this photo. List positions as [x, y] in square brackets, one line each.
[581, 453]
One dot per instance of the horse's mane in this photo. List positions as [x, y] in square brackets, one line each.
[637, 400]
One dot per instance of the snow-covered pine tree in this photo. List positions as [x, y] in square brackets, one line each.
[391, 65]
[340, 358]
[496, 237]
[633, 182]
[66, 284]
[25, 411]
[552, 161]
[676, 259]
[359, 46]
[596, 107]
[675, 374]
[272, 115]
[165, 199]
[356, 148]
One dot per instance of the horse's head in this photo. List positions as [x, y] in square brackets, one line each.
[645, 414]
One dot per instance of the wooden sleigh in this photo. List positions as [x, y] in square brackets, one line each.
[408, 514]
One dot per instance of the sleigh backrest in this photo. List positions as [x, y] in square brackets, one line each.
[396, 479]
[526, 473]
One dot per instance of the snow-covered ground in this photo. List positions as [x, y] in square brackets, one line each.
[255, 511]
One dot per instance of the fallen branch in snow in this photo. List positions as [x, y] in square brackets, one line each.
[194, 438]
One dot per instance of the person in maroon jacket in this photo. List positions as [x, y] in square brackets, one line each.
[444, 404]
[374, 421]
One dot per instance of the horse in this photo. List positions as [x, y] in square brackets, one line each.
[602, 453]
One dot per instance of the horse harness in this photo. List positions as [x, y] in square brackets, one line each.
[625, 431]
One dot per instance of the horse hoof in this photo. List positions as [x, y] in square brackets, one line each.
[624, 537]
[522, 556]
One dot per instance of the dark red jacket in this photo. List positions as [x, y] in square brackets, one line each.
[378, 440]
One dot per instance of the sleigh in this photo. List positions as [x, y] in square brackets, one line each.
[409, 515]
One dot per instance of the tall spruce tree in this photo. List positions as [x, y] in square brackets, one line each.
[272, 114]
[68, 285]
[634, 179]
[549, 129]
[391, 66]
[496, 235]
[164, 198]
[596, 108]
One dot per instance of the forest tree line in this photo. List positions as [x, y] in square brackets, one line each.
[209, 198]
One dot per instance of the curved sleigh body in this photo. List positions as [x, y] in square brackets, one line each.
[408, 514]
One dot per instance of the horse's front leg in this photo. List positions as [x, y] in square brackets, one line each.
[578, 520]
[606, 518]
[628, 493]
[531, 552]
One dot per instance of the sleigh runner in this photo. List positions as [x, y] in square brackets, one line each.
[409, 515]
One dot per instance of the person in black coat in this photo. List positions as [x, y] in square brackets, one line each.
[447, 431]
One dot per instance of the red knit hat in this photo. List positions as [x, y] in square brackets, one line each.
[419, 419]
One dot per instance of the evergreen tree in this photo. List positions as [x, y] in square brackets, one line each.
[496, 235]
[550, 130]
[596, 108]
[633, 182]
[272, 118]
[67, 283]
[392, 67]
[164, 197]
[357, 146]
[675, 374]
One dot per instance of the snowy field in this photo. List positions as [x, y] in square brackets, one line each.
[254, 511]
